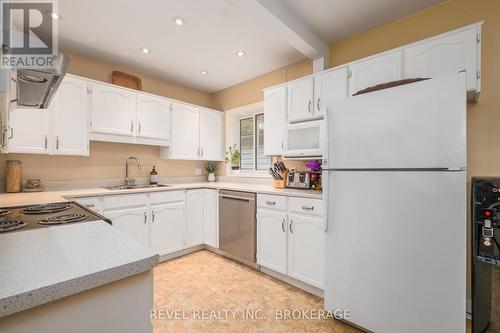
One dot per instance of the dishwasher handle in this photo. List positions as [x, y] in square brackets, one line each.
[234, 197]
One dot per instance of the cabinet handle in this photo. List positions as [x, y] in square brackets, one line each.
[198, 152]
[317, 104]
[309, 106]
[283, 225]
[11, 133]
[46, 142]
[131, 126]
[57, 142]
[202, 152]
[153, 216]
[290, 226]
[270, 203]
[139, 129]
[309, 207]
[145, 217]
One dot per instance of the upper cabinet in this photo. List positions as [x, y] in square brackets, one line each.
[62, 129]
[210, 135]
[113, 112]
[185, 132]
[153, 119]
[447, 54]
[300, 100]
[196, 134]
[375, 70]
[274, 120]
[328, 86]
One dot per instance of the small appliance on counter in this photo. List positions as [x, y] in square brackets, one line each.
[45, 215]
[299, 179]
[485, 226]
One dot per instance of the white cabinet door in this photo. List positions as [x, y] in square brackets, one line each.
[306, 249]
[379, 69]
[445, 55]
[168, 227]
[113, 110]
[153, 117]
[133, 222]
[329, 86]
[70, 111]
[210, 135]
[185, 132]
[210, 218]
[272, 240]
[29, 131]
[274, 120]
[194, 217]
[300, 100]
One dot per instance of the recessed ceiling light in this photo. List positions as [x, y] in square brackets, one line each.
[179, 20]
[145, 50]
[240, 53]
[203, 72]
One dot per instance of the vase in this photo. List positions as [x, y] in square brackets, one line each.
[235, 167]
[211, 177]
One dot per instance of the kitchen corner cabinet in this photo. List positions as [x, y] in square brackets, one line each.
[194, 217]
[306, 247]
[383, 68]
[300, 100]
[274, 120]
[153, 119]
[132, 222]
[210, 218]
[167, 233]
[61, 129]
[272, 240]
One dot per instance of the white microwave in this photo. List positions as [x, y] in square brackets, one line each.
[304, 140]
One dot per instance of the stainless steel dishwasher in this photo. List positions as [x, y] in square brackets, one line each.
[237, 225]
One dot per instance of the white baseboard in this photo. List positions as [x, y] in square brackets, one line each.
[296, 283]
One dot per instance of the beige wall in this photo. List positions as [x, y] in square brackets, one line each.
[107, 160]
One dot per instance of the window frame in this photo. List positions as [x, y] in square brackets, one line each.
[255, 130]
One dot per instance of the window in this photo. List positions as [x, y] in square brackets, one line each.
[252, 144]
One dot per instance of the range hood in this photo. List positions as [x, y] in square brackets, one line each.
[35, 88]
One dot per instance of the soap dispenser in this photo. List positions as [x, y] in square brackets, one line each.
[153, 177]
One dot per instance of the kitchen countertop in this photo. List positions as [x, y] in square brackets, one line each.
[42, 265]
[31, 198]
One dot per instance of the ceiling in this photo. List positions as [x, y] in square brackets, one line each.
[116, 30]
[334, 20]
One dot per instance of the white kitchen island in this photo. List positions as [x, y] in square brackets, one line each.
[84, 277]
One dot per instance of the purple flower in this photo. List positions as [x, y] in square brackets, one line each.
[314, 165]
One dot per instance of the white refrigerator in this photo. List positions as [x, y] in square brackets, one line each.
[395, 183]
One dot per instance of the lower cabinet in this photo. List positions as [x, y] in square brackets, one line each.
[272, 240]
[291, 242]
[133, 222]
[167, 227]
[306, 249]
[194, 217]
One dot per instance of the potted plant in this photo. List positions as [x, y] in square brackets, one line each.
[233, 157]
[210, 168]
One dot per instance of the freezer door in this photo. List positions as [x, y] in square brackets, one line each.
[419, 125]
[396, 250]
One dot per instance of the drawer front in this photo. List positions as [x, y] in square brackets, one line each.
[92, 203]
[307, 206]
[272, 201]
[166, 196]
[124, 201]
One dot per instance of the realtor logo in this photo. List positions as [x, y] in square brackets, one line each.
[29, 34]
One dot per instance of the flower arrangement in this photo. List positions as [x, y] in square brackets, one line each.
[314, 165]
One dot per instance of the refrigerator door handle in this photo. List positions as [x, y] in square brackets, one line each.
[326, 190]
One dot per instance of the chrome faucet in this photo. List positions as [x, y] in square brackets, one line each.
[130, 181]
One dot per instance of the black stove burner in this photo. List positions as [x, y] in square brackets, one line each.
[60, 219]
[46, 209]
[4, 212]
[11, 225]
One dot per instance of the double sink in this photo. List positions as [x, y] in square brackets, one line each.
[133, 187]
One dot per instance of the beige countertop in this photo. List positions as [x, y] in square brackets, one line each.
[32, 198]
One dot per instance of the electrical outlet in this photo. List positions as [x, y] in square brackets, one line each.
[197, 171]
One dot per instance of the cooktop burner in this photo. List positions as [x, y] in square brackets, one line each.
[66, 218]
[4, 212]
[11, 225]
[46, 209]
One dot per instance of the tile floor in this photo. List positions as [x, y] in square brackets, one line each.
[206, 281]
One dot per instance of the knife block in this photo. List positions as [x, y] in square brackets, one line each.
[281, 183]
